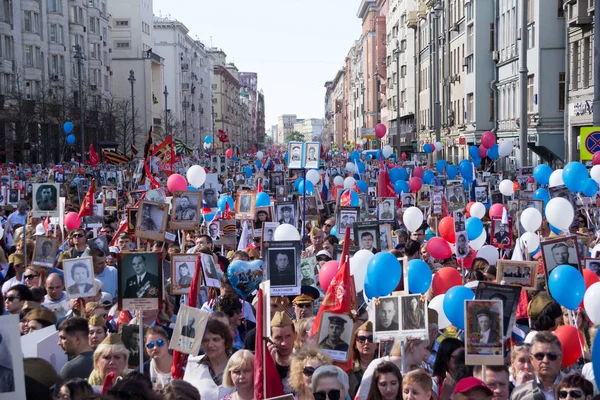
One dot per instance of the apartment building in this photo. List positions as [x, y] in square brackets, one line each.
[311, 129]
[249, 90]
[285, 125]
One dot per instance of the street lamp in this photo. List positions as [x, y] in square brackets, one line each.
[166, 112]
[79, 56]
[185, 105]
[131, 80]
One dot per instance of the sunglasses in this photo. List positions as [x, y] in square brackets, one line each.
[78, 235]
[576, 394]
[11, 298]
[308, 371]
[334, 394]
[551, 356]
[159, 343]
[28, 277]
[328, 225]
[363, 339]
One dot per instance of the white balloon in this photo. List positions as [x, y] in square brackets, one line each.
[437, 304]
[259, 155]
[595, 173]
[1, 232]
[559, 213]
[196, 176]
[338, 180]
[530, 241]
[595, 251]
[412, 218]
[286, 232]
[313, 176]
[387, 151]
[489, 253]
[438, 146]
[206, 145]
[556, 178]
[358, 268]
[507, 187]
[591, 303]
[531, 219]
[364, 141]
[505, 147]
[350, 167]
[477, 210]
[479, 242]
[349, 182]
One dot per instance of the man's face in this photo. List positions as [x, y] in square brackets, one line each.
[54, 287]
[386, 312]
[462, 241]
[124, 243]
[284, 339]
[146, 213]
[46, 248]
[135, 339]
[281, 261]
[335, 331]
[286, 213]
[183, 270]
[210, 194]
[561, 255]
[184, 202]
[484, 323]
[457, 192]
[386, 207]
[110, 194]
[262, 216]
[545, 367]
[213, 230]
[68, 343]
[305, 269]
[269, 235]
[498, 382]
[367, 242]
[46, 193]
[79, 275]
[139, 267]
[418, 236]
[501, 228]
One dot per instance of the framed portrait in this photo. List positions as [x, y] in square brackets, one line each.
[97, 219]
[593, 264]
[527, 203]
[209, 195]
[111, 198]
[459, 220]
[186, 207]
[408, 200]
[45, 199]
[366, 236]
[282, 261]
[420, 158]
[13, 386]
[151, 222]
[583, 247]
[268, 231]
[79, 277]
[483, 332]
[209, 270]
[285, 213]
[413, 324]
[245, 205]
[456, 197]
[320, 204]
[564, 192]
[528, 170]
[281, 192]
[312, 154]
[189, 330]
[461, 249]
[437, 199]
[385, 237]
[312, 209]
[130, 335]
[559, 251]
[346, 217]
[131, 219]
[276, 178]
[14, 195]
[99, 242]
[329, 206]
[183, 268]
[372, 190]
[482, 193]
[263, 214]
[44, 252]
[227, 233]
[512, 209]
[518, 273]
[363, 203]
[502, 233]
[424, 196]
[335, 335]
[140, 280]
[229, 185]
[295, 154]
[309, 270]
[509, 296]
[496, 197]
[386, 321]
[295, 173]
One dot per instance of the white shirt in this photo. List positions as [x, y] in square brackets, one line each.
[198, 375]
[60, 307]
[485, 336]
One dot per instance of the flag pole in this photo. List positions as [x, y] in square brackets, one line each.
[304, 213]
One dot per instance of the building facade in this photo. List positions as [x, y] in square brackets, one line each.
[285, 126]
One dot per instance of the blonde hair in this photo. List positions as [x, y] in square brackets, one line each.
[302, 326]
[297, 367]
[90, 308]
[239, 359]
[103, 349]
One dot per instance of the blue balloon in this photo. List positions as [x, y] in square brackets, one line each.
[493, 152]
[333, 231]
[474, 228]
[476, 162]
[263, 200]
[287, 159]
[245, 276]
[362, 186]
[575, 175]
[398, 174]
[466, 171]
[258, 164]
[473, 151]
[542, 194]
[567, 286]
[191, 188]
[248, 172]
[465, 184]
[68, 127]
[419, 276]
[383, 272]
[440, 165]
[225, 200]
[209, 217]
[70, 139]
[401, 187]
[361, 166]
[542, 173]
[306, 187]
[428, 177]
[555, 229]
[297, 182]
[427, 148]
[451, 171]
[590, 188]
[208, 139]
[454, 304]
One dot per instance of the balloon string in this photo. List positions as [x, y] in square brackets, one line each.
[573, 322]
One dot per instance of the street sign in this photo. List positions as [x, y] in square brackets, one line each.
[367, 133]
[589, 142]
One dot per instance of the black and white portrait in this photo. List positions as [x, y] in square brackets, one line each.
[281, 192]
[519, 273]
[12, 377]
[110, 198]
[335, 333]
[385, 237]
[13, 196]
[286, 213]
[483, 330]
[295, 154]
[3, 195]
[58, 177]
[414, 313]
[151, 220]
[456, 195]
[268, 230]
[509, 296]
[45, 251]
[99, 242]
[140, 280]
[560, 251]
[245, 205]
[311, 155]
[529, 203]
[564, 192]
[462, 244]
[183, 267]
[372, 191]
[424, 196]
[366, 235]
[45, 201]
[307, 272]
[276, 178]
[227, 233]
[186, 206]
[311, 206]
[130, 335]
[481, 194]
[210, 268]
[346, 217]
[283, 266]
[387, 317]
[408, 200]
[210, 197]
[459, 220]
[593, 264]
[263, 214]
[189, 330]
[501, 233]
[229, 185]
[79, 277]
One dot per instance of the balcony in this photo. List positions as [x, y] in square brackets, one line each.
[412, 20]
[578, 13]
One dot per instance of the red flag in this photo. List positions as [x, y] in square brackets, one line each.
[227, 213]
[384, 184]
[264, 365]
[94, 159]
[346, 199]
[87, 206]
[46, 223]
[341, 294]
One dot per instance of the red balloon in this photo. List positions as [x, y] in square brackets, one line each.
[571, 341]
[176, 182]
[589, 277]
[496, 210]
[445, 279]
[468, 208]
[439, 248]
[446, 229]
[380, 130]
[482, 151]
[72, 221]
[415, 184]
[418, 172]
[488, 139]
[327, 272]
[403, 156]
[596, 158]
[229, 153]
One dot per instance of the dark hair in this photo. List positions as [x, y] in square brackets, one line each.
[37, 294]
[96, 252]
[475, 275]
[546, 320]
[447, 347]
[75, 325]
[367, 233]
[412, 248]
[229, 304]
[479, 263]
[576, 381]
[217, 327]
[242, 255]
[78, 388]
[207, 237]
[180, 390]
[332, 240]
[80, 230]
[109, 219]
[23, 292]
[135, 386]
[386, 367]
[79, 265]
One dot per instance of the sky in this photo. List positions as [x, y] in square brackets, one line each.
[295, 46]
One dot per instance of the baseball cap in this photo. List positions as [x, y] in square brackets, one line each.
[470, 383]
[39, 230]
[106, 299]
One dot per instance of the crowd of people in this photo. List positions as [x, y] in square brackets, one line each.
[101, 338]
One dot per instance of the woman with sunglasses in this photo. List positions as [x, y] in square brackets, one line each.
[387, 383]
[365, 351]
[304, 364]
[158, 368]
[239, 374]
[329, 382]
[32, 276]
[574, 387]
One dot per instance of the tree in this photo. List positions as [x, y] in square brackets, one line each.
[294, 136]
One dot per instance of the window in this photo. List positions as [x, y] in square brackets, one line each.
[531, 36]
[530, 94]
[122, 45]
[94, 25]
[8, 47]
[492, 105]
[103, 7]
[561, 91]
[492, 37]
[586, 61]
[469, 109]
[121, 23]
[27, 22]
[55, 6]
[95, 51]
[145, 28]
[470, 39]
[105, 33]
[76, 15]
[56, 34]
[29, 56]
[6, 11]
[403, 71]
[94, 75]
[57, 65]
[575, 66]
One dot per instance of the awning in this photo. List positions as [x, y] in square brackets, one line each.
[549, 147]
